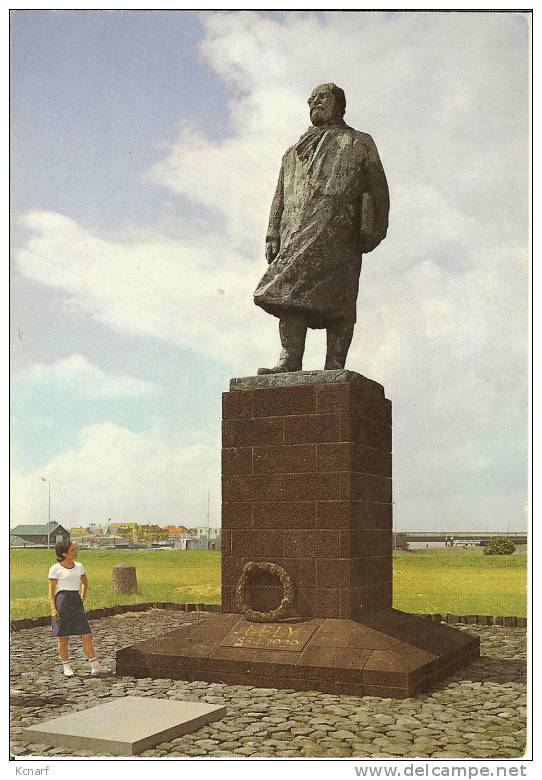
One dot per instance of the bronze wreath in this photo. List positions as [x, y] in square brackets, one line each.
[242, 592]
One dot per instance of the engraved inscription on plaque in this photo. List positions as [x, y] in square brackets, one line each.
[269, 636]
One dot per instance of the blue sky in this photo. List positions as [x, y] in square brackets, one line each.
[145, 149]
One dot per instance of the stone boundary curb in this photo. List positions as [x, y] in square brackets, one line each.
[481, 620]
[511, 621]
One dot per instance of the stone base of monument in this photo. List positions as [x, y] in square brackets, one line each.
[125, 727]
[385, 653]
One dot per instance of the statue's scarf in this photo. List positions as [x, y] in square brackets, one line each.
[308, 143]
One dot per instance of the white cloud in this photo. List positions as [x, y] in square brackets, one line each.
[443, 301]
[79, 377]
[114, 473]
[149, 285]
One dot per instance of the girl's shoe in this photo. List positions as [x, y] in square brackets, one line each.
[97, 668]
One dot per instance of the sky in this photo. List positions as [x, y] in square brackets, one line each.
[145, 147]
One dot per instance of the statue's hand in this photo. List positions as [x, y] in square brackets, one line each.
[271, 250]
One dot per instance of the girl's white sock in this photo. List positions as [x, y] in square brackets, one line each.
[68, 671]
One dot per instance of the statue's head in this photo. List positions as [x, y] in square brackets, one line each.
[326, 104]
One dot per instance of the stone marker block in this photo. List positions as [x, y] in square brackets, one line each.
[125, 726]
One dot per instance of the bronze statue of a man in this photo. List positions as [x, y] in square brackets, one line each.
[331, 206]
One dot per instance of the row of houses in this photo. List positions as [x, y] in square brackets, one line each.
[173, 537]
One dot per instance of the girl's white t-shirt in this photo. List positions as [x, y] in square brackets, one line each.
[67, 579]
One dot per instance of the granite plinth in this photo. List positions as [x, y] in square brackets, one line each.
[126, 726]
[387, 653]
[295, 378]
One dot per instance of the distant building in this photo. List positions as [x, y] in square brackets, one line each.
[102, 540]
[38, 535]
[123, 529]
[202, 539]
[79, 531]
[17, 541]
[176, 530]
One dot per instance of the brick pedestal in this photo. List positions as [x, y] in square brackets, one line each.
[307, 485]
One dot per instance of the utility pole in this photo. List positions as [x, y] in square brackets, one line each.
[208, 516]
[43, 479]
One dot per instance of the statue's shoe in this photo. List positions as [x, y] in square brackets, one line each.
[280, 369]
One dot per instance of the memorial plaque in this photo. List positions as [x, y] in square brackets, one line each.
[269, 636]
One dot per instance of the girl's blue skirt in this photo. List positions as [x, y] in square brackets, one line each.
[73, 621]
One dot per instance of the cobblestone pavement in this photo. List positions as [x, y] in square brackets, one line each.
[479, 712]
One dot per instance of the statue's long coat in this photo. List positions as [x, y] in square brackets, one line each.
[331, 193]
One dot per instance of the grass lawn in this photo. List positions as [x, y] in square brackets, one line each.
[462, 581]
[163, 575]
[457, 580]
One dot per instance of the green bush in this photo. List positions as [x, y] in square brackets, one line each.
[499, 546]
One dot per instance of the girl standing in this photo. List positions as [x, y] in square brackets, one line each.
[68, 586]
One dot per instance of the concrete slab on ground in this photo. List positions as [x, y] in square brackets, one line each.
[125, 726]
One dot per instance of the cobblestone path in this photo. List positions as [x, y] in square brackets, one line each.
[479, 712]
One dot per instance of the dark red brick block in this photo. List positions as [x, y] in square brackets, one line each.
[236, 460]
[377, 569]
[268, 459]
[348, 543]
[363, 401]
[350, 602]
[226, 598]
[230, 570]
[237, 404]
[326, 542]
[284, 514]
[377, 595]
[264, 487]
[311, 428]
[299, 487]
[369, 460]
[299, 458]
[365, 487]
[236, 514]
[284, 401]
[227, 433]
[319, 602]
[378, 543]
[367, 515]
[336, 456]
[291, 458]
[334, 397]
[334, 514]
[226, 489]
[260, 430]
[332, 572]
[256, 542]
[299, 544]
[225, 541]
[372, 406]
[362, 430]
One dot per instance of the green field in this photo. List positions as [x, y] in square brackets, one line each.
[162, 575]
[461, 581]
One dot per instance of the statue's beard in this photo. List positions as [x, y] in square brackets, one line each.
[321, 116]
